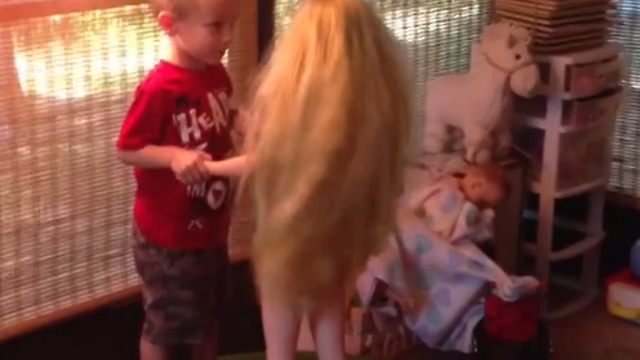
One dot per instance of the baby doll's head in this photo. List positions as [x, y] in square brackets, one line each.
[485, 185]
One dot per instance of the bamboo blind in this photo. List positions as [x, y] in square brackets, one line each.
[625, 169]
[436, 34]
[67, 72]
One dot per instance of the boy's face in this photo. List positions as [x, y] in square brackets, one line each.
[202, 33]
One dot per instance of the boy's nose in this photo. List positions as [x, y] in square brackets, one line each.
[227, 36]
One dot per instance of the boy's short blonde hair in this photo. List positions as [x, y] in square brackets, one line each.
[178, 7]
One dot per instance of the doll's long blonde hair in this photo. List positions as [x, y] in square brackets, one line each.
[332, 110]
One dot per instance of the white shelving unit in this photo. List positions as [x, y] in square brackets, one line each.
[567, 134]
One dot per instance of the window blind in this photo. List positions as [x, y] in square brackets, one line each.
[67, 74]
[435, 34]
[625, 169]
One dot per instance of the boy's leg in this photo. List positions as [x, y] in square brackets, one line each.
[148, 260]
[149, 351]
[178, 293]
[327, 322]
[281, 327]
[208, 348]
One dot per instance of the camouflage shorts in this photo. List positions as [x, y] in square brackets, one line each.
[182, 291]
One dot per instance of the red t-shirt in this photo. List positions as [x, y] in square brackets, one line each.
[186, 108]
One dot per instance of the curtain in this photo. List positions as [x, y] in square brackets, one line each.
[436, 34]
[67, 73]
[625, 169]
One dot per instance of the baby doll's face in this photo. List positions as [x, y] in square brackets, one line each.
[482, 190]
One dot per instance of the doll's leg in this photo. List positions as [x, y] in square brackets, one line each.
[504, 139]
[434, 136]
[478, 144]
[327, 322]
[457, 137]
[281, 326]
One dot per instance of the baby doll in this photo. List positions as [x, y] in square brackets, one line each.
[485, 186]
[327, 147]
[442, 204]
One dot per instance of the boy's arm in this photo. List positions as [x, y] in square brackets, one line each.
[150, 156]
[188, 165]
[140, 136]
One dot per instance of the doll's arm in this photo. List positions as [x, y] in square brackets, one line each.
[235, 166]
[416, 201]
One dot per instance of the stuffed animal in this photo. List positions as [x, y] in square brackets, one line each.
[476, 106]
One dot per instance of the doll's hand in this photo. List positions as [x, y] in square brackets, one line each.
[407, 303]
[189, 167]
[233, 167]
[348, 320]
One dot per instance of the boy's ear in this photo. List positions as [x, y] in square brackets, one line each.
[166, 21]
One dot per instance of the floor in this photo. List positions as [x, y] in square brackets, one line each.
[594, 335]
[591, 334]
[111, 333]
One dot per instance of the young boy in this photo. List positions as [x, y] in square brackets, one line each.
[180, 118]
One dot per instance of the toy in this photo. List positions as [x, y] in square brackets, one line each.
[502, 64]
[515, 322]
[369, 332]
[512, 321]
[635, 259]
[623, 296]
[328, 148]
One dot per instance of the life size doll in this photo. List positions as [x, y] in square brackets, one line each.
[327, 144]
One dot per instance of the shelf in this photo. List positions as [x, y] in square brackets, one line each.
[583, 297]
[573, 306]
[571, 251]
[566, 130]
[565, 95]
[572, 191]
[539, 123]
[579, 248]
[581, 74]
[610, 49]
[559, 222]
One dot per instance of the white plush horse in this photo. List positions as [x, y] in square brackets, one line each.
[477, 104]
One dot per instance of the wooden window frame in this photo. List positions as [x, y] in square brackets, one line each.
[266, 26]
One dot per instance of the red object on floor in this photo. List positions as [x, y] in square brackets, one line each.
[512, 321]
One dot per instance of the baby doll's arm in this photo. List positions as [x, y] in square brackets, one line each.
[416, 200]
[235, 166]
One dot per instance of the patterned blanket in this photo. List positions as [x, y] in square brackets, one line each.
[446, 277]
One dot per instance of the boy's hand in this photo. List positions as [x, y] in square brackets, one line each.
[188, 165]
